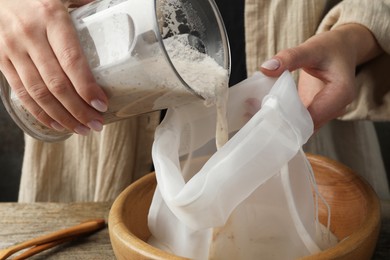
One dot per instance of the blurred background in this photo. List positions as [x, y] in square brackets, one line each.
[11, 155]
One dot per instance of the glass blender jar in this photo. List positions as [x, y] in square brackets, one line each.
[147, 55]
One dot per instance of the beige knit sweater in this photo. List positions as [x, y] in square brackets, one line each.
[275, 25]
[98, 167]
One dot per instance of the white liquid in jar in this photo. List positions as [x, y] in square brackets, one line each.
[142, 79]
[147, 85]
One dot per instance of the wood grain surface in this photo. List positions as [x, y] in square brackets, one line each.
[20, 222]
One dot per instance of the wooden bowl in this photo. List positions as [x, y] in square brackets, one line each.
[355, 218]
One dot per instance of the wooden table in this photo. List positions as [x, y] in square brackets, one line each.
[19, 222]
[382, 251]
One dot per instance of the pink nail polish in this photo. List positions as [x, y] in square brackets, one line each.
[99, 105]
[272, 64]
[57, 126]
[82, 130]
[95, 125]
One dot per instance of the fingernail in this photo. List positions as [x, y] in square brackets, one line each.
[272, 64]
[99, 105]
[57, 126]
[95, 125]
[82, 130]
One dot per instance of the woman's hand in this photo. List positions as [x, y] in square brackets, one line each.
[41, 58]
[328, 61]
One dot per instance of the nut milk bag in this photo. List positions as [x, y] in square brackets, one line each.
[251, 199]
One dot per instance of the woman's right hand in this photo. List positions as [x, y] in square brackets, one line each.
[42, 60]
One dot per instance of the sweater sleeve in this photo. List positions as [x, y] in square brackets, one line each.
[373, 14]
[372, 82]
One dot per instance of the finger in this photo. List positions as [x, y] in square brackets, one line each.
[24, 98]
[61, 88]
[252, 106]
[36, 88]
[75, 3]
[322, 111]
[308, 87]
[290, 59]
[330, 102]
[67, 49]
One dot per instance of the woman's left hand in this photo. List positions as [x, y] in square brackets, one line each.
[328, 61]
